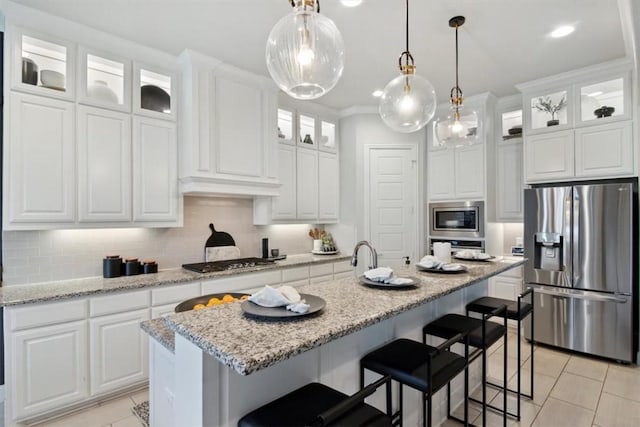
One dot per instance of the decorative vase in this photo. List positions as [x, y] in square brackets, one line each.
[604, 111]
[29, 71]
[317, 245]
[553, 122]
[100, 90]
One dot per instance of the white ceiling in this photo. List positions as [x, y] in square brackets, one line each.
[503, 42]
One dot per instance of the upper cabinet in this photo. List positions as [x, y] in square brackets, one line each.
[42, 64]
[578, 124]
[459, 171]
[77, 153]
[229, 129]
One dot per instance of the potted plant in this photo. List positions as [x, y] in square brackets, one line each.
[546, 105]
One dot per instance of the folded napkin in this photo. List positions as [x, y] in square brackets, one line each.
[278, 297]
[470, 254]
[429, 261]
[399, 281]
[452, 267]
[379, 274]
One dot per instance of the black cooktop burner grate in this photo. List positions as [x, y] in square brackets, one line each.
[227, 264]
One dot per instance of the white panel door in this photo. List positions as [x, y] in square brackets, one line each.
[307, 183]
[155, 170]
[509, 198]
[104, 165]
[392, 204]
[469, 167]
[118, 351]
[284, 205]
[49, 366]
[328, 187]
[239, 135]
[41, 160]
[605, 150]
[549, 156]
[440, 172]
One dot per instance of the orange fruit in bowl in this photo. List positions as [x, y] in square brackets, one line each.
[228, 298]
[213, 301]
[244, 297]
[199, 306]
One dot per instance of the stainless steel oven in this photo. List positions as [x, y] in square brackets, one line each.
[459, 220]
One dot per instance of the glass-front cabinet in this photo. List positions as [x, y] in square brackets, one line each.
[603, 101]
[307, 131]
[286, 126]
[328, 140]
[511, 124]
[42, 65]
[550, 110]
[105, 80]
[153, 93]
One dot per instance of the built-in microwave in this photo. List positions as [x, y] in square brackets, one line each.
[457, 219]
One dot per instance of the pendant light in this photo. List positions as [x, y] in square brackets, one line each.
[408, 102]
[461, 126]
[305, 52]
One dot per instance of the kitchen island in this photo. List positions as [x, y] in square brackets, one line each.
[225, 364]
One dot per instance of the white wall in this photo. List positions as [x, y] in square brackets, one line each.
[41, 256]
[355, 131]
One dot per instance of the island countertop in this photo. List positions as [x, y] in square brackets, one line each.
[247, 344]
[65, 289]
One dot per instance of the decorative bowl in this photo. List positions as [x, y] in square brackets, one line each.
[29, 71]
[52, 79]
[516, 130]
[154, 98]
[100, 90]
[604, 111]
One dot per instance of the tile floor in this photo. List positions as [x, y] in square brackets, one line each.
[570, 390]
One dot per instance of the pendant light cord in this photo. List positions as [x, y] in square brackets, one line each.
[407, 27]
[457, 86]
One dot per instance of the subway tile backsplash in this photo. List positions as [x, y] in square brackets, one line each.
[50, 255]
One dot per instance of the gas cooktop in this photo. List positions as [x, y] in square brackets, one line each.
[227, 264]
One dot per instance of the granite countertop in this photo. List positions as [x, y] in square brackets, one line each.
[248, 345]
[65, 289]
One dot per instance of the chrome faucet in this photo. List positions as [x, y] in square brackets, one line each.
[374, 254]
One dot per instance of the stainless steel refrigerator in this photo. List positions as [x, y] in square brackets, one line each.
[580, 245]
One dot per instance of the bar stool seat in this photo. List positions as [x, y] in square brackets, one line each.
[316, 404]
[416, 365]
[486, 305]
[451, 324]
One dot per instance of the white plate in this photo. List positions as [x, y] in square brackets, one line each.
[439, 270]
[474, 259]
[414, 282]
[324, 252]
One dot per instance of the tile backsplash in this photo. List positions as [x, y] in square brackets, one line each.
[50, 255]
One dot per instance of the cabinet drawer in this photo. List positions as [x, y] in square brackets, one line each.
[47, 314]
[321, 270]
[118, 303]
[339, 267]
[241, 282]
[291, 274]
[174, 293]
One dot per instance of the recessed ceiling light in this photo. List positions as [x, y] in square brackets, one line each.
[562, 31]
[351, 3]
[377, 93]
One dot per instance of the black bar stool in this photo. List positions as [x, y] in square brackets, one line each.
[419, 366]
[481, 334]
[518, 311]
[316, 404]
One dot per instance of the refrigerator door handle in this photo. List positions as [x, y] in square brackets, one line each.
[588, 297]
[567, 244]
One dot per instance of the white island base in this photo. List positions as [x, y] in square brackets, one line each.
[192, 388]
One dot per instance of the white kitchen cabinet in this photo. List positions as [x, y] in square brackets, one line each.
[104, 165]
[49, 367]
[456, 172]
[40, 162]
[469, 171]
[155, 174]
[154, 91]
[549, 156]
[228, 129]
[328, 187]
[307, 184]
[104, 80]
[604, 150]
[284, 205]
[118, 351]
[510, 185]
[46, 358]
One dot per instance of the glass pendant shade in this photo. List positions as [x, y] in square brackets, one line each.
[460, 127]
[407, 103]
[305, 53]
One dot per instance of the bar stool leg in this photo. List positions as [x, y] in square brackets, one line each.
[504, 376]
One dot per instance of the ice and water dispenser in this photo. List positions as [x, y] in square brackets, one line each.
[548, 251]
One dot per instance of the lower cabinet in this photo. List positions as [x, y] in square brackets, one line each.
[48, 368]
[509, 185]
[119, 351]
